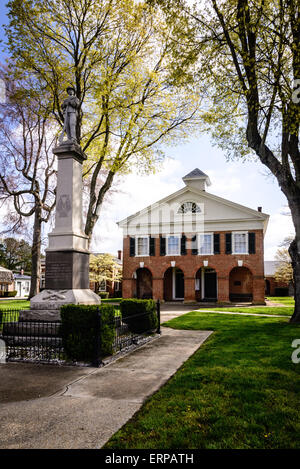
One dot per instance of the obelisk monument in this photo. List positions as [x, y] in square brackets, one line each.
[67, 255]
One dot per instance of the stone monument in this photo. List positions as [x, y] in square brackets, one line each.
[67, 255]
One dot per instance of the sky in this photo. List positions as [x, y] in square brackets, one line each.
[246, 183]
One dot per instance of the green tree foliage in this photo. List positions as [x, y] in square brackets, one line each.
[117, 54]
[245, 56]
[103, 267]
[284, 271]
[15, 254]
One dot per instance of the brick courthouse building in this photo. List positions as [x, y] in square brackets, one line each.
[195, 246]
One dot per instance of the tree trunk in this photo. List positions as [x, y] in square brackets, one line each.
[36, 253]
[295, 256]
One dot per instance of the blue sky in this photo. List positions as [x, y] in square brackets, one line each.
[245, 183]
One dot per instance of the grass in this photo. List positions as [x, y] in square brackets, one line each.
[272, 310]
[239, 390]
[285, 300]
[111, 300]
[13, 304]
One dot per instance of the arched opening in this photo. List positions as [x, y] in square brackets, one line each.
[206, 284]
[173, 284]
[240, 285]
[267, 287]
[143, 284]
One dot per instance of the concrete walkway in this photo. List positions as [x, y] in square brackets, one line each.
[45, 406]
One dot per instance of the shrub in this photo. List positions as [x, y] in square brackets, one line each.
[79, 326]
[11, 293]
[283, 291]
[103, 294]
[139, 315]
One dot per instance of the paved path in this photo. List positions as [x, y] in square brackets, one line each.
[69, 407]
[243, 314]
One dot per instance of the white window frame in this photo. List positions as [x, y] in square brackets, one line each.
[101, 289]
[211, 244]
[167, 244]
[233, 243]
[136, 246]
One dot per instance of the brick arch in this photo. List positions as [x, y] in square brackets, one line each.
[241, 284]
[144, 283]
[208, 267]
[246, 265]
[138, 267]
[168, 283]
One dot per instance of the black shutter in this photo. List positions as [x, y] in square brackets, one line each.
[251, 243]
[131, 247]
[152, 246]
[194, 245]
[162, 246]
[216, 243]
[183, 245]
[228, 237]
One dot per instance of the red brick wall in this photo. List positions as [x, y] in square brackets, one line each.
[274, 284]
[189, 264]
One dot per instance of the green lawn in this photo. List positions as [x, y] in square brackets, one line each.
[239, 390]
[13, 304]
[111, 300]
[285, 300]
[273, 310]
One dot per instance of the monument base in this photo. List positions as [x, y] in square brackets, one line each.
[67, 270]
[46, 305]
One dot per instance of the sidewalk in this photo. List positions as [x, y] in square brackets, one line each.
[69, 407]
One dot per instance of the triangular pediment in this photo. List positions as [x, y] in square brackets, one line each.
[211, 211]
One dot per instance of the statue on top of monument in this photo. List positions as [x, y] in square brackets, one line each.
[70, 107]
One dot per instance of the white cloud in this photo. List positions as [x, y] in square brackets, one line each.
[134, 193]
[280, 226]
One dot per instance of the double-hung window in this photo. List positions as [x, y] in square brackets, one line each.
[102, 285]
[142, 246]
[205, 243]
[173, 245]
[240, 243]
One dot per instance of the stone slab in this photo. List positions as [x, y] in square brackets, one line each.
[67, 270]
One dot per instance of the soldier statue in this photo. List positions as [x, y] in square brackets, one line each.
[70, 110]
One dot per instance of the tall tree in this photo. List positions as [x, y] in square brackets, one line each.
[15, 254]
[27, 172]
[117, 55]
[246, 54]
[284, 271]
[103, 267]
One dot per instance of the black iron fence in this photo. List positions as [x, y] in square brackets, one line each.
[43, 341]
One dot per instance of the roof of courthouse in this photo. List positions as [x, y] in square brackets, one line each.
[195, 174]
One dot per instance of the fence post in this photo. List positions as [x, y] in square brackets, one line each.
[97, 359]
[158, 316]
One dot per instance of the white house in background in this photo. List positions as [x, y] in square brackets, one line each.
[22, 285]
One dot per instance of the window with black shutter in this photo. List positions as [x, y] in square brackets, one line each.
[183, 245]
[131, 247]
[251, 243]
[228, 249]
[152, 246]
[216, 243]
[162, 246]
[194, 245]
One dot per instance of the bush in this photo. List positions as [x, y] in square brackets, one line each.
[283, 291]
[79, 326]
[11, 293]
[103, 294]
[139, 315]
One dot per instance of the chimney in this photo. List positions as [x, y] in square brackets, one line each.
[259, 209]
[120, 255]
[22, 272]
